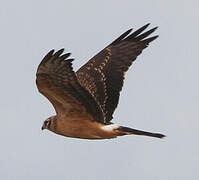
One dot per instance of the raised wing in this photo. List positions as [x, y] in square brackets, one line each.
[57, 81]
[103, 75]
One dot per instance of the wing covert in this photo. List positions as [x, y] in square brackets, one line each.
[103, 75]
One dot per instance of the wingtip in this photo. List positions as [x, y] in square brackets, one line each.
[146, 25]
[51, 52]
[60, 51]
[128, 31]
[121, 37]
[148, 40]
[156, 27]
[153, 29]
[64, 56]
[137, 34]
[48, 55]
[70, 60]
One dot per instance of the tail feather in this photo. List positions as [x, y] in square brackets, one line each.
[128, 130]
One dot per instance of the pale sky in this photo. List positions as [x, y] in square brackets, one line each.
[160, 94]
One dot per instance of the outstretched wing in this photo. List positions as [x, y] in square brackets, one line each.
[103, 75]
[57, 81]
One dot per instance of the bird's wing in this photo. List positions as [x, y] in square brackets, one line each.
[57, 81]
[103, 75]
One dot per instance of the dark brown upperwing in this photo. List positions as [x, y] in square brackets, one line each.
[103, 75]
[57, 81]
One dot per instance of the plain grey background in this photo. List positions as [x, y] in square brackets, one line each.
[160, 92]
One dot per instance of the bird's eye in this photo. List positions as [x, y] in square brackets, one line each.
[47, 123]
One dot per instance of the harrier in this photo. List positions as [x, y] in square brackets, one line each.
[85, 100]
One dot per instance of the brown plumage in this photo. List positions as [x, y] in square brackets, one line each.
[86, 100]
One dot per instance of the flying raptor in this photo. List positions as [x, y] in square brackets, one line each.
[85, 100]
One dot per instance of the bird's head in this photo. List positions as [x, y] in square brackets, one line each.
[48, 123]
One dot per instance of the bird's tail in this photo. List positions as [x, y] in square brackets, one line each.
[127, 130]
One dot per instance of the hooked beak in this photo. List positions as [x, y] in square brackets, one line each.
[42, 128]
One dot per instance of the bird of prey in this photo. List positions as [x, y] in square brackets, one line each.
[85, 100]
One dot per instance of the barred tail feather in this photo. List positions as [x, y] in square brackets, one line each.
[128, 130]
